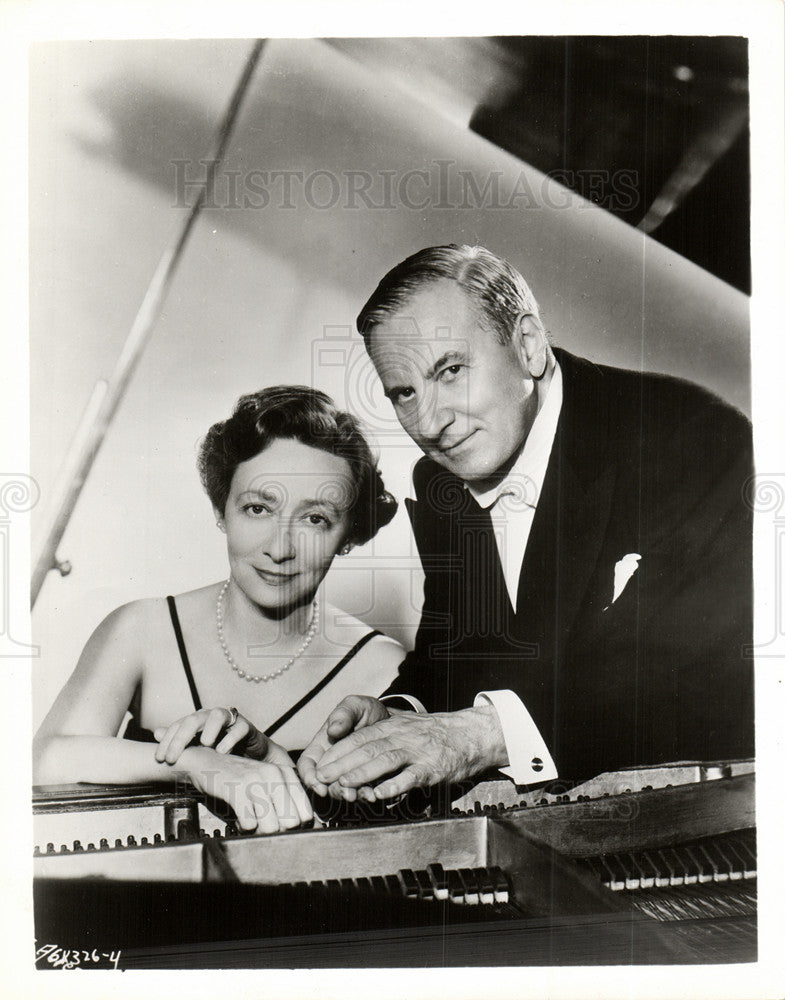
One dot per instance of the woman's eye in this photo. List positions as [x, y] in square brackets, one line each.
[318, 519]
[257, 509]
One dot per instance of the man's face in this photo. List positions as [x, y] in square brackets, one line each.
[464, 398]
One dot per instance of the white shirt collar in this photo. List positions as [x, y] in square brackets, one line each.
[525, 478]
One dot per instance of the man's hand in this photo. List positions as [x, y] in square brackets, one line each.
[351, 715]
[413, 751]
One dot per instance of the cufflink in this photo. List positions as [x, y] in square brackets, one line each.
[537, 764]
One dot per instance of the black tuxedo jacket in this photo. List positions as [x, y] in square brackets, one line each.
[642, 464]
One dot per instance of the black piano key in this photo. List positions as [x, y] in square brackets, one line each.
[632, 878]
[617, 877]
[728, 862]
[747, 859]
[379, 884]
[711, 865]
[363, 884]
[472, 890]
[688, 868]
[457, 890]
[424, 884]
[703, 870]
[647, 868]
[333, 885]
[664, 869]
[438, 881]
[483, 877]
[501, 885]
[409, 884]
[393, 885]
[676, 867]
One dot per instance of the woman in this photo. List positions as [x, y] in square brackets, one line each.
[293, 483]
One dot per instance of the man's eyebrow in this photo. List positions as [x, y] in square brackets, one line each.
[446, 359]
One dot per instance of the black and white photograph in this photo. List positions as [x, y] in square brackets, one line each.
[405, 530]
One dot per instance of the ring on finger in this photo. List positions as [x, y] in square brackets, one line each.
[233, 713]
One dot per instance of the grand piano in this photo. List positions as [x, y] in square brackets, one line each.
[640, 866]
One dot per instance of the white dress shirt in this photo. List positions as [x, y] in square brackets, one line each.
[513, 504]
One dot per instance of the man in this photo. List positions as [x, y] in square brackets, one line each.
[586, 547]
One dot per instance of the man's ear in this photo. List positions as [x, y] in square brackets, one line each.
[531, 344]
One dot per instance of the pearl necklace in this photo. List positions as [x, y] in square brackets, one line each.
[219, 621]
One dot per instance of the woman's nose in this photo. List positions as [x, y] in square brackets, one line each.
[280, 544]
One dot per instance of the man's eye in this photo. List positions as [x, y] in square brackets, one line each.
[398, 396]
[450, 372]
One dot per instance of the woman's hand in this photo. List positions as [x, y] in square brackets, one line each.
[233, 733]
[266, 798]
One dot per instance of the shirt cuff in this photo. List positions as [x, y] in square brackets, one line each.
[529, 757]
[410, 700]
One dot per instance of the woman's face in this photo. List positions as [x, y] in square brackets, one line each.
[287, 515]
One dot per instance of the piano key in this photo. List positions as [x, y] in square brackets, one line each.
[686, 864]
[379, 885]
[747, 864]
[347, 884]
[363, 884]
[700, 850]
[485, 885]
[632, 878]
[729, 861]
[472, 890]
[501, 885]
[676, 867]
[615, 876]
[424, 884]
[393, 885]
[648, 870]
[704, 871]
[409, 884]
[438, 881]
[457, 890]
[666, 872]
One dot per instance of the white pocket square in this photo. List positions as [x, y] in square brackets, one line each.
[623, 572]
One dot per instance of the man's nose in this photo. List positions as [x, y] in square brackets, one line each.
[434, 416]
[280, 544]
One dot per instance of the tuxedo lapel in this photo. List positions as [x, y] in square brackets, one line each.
[572, 512]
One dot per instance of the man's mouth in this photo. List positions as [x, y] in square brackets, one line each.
[453, 447]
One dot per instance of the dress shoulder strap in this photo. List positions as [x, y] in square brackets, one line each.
[178, 634]
[291, 712]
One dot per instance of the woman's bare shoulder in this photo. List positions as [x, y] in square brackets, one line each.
[345, 629]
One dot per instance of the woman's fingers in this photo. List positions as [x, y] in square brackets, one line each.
[177, 738]
[234, 735]
[215, 721]
[298, 796]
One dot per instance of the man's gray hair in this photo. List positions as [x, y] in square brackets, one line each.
[492, 284]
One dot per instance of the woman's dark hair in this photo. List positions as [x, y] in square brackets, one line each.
[310, 417]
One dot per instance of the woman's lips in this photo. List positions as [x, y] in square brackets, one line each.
[273, 578]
